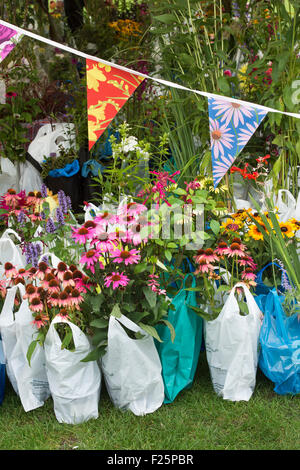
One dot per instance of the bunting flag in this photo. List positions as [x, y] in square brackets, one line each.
[108, 89]
[231, 125]
[8, 39]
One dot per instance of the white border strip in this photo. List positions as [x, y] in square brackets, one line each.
[125, 69]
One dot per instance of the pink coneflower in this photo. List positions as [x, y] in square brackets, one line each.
[49, 277]
[63, 313]
[90, 258]
[137, 237]
[105, 246]
[120, 235]
[40, 320]
[64, 299]
[22, 273]
[105, 218]
[30, 292]
[76, 298]
[53, 299]
[207, 255]
[248, 274]
[80, 235]
[247, 261]
[203, 267]
[61, 269]
[126, 256]
[92, 227]
[43, 269]
[68, 279]
[10, 270]
[12, 199]
[53, 286]
[83, 284]
[117, 280]
[133, 209]
[221, 248]
[36, 304]
[236, 249]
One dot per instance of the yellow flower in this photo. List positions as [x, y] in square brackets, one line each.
[255, 233]
[287, 229]
[295, 223]
[231, 224]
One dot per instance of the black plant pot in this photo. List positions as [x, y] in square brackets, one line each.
[72, 186]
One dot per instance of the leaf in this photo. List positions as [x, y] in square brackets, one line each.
[167, 18]
[99, 323]
[30, 350]
[223, 85]
[151, 296]
[171, 328]
[151, 330]
[67, 339]
[95, 354]
[168, 255]
[215, 226]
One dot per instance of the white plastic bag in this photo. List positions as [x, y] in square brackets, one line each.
[232, 342]
[289, 209]
[75, 385]
[132, 369]
[8, 330]
[10, 251]
[31, 378]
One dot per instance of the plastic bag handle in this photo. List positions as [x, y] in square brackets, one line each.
[249, 298]
[11, 231]
[185, 279]
[288, 193]
[10, 298]
[260, 273]
[74, 328]
[128, 324]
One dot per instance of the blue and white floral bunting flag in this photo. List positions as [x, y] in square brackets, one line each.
[231, 126]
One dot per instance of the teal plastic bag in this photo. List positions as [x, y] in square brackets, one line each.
[179, 359]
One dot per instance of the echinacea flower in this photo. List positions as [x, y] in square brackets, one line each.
[117, 280]
[64, 314]
[208, 255]
[36, 304]
[53, 286]
[53, 299]
[221, 248]
[30, 292]
[248, 274]
[236, 249]
[40, 320]
[204, 267]
[10, 270]
[61, 269]
[67, 279]
[76, 297]
[42, 270]
[64, 299]
[49, 277]
[126, 256]
[133, 209]
[81, 235]
[90, 258]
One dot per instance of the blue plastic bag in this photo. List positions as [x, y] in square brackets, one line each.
[179, 359]
[2, 373]
[91, 167]
[279, 357]
[261, 288]
[69, 170]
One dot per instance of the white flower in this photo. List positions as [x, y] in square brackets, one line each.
[128, 144]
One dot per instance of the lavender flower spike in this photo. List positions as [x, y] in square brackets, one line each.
[50, 226]
[44, 190]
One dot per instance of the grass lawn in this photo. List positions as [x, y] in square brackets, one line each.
[197, 420]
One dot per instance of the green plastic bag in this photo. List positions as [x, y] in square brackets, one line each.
[179, 359]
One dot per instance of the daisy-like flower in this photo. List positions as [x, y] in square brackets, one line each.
[219, 138]
[81, 235]
[10, 271]
[53, 286]
[22, 273]
[49, 277]
[255, 233]
[105, 218]
[64, 299]
[64, 314]
[248, 274]
[208, 255]
[126, 256]
[76, 298]
[246, 133]
[30, 292]
[92, 228]
[68, 279]
[119, 235]
[232, 225]
[90, 258]
[36, 304]
[236, 249]
[132, 209]
[117, 280]
[12, 199]
[221, 248]
[295, 223]
[40, 320]
[61, 269]
[53, 299]
[204, 267]
[247, 261]
[42, 270]
[231, 110]
[287, 229]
